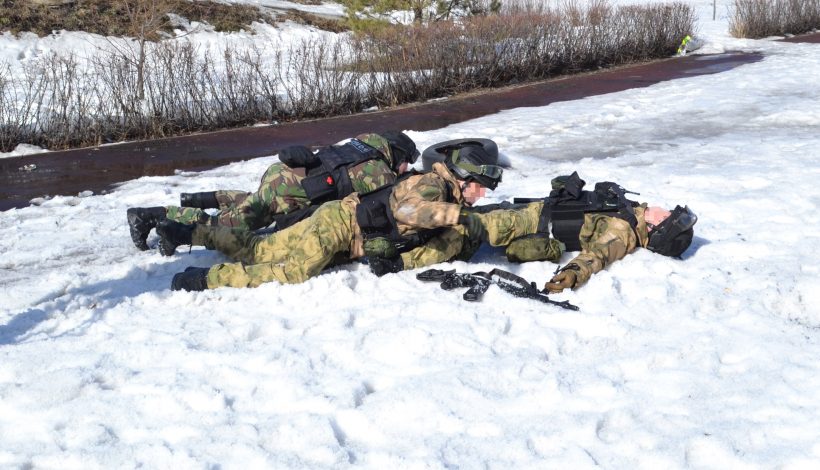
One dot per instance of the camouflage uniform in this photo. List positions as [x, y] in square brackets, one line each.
[604, 238]
[301, 251]
[281, 192]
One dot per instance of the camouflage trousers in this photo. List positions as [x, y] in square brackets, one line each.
[280, 192]
[516, 229]
[290, 256]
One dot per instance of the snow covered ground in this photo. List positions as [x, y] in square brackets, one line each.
[705, 362]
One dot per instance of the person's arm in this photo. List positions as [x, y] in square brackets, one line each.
[505, 225]
[370, 175]
[451, 244]
[455, 243]
[422, 206]
[604, 240]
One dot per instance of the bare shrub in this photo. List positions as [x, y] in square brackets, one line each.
[321, 22]
[150, 90]
[531, 42]
[112, 18]
[315, 81]
[762, 18]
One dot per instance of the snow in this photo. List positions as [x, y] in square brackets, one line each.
[23, 149]
[705, 362]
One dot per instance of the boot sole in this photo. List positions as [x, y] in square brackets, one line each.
[165, 247]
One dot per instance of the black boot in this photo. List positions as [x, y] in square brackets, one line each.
[199, 200]
[140, 222]
[193, 279]
[172, 234]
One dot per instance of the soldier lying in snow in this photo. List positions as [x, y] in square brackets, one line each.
[406, 225]
[603, 224]
[302, 178]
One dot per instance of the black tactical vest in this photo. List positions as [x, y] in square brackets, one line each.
[330, 179]
[566, 206]
[375, 219]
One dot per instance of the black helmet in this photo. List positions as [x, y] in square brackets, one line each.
[402, 148]
[674, 235]
[473, 163]
[443, 150]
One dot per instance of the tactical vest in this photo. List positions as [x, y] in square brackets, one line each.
[375, 219]
[566, 206]
[330, 180]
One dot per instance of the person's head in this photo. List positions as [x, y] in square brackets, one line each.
[670, 233]
[403, 150]
[472, 192]
[476, 169]
[654, 215]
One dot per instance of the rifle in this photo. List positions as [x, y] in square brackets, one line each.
[478, 283]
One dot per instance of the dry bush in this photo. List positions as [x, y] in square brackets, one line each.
[222, 16]
[110, 17]
[56, 103]
[303, 17]
[528, 42]
[762, 18]
[315, 83]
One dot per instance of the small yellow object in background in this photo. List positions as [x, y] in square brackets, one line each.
[682, 47]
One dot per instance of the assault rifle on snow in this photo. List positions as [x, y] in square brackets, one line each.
[478, 283]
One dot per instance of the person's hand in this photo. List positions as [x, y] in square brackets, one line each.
[472, 223]
[564, 280]
[381, 266]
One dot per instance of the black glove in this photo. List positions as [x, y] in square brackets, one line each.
[471, 222]
[193, 279]
[381, 266]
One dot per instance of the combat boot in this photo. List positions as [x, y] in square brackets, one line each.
[172, 234]
[193, 279]
[199, 200]
[140, 222]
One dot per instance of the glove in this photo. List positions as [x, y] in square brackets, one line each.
[193, 279]
[564, 280]
[381, 266]
[472, 223]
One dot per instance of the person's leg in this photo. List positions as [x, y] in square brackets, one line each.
[141, 220]
[280, 192]
[222, 198]
[187, 215]
[227, 198]
[293, 255]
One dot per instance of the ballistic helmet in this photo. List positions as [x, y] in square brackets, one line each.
[443, 150]
[402, 148]
[472, 163]
[674, 235]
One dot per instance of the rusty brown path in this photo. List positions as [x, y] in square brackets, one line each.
[99, 168]
[813, 38]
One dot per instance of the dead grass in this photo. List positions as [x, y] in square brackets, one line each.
[109, 18]
[762, 18]
[320, 22]
[58, 104]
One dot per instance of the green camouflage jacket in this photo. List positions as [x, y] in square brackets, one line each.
[417, 203]
[372, 174]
